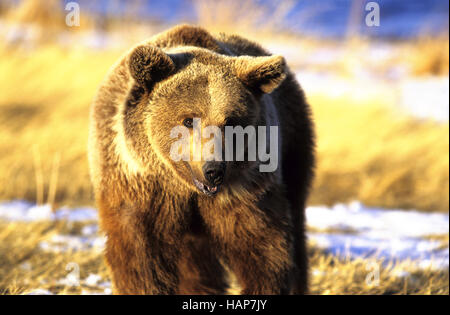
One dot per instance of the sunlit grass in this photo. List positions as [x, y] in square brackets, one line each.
[334, 275]
[44, 112]
[25, 266]
[371, 153]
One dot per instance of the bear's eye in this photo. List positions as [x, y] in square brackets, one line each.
[188, 122]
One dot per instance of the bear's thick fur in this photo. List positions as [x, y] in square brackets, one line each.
[165, 233]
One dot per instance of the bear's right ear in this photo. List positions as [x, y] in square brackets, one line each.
[149, 65]
[263, 74]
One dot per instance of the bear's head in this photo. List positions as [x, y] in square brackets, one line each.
[187, 97]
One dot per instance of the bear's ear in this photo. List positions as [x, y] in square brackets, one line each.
[149, 65]
[264, 74]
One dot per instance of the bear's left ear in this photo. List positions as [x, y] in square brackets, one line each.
[264, 74]
[149, 65]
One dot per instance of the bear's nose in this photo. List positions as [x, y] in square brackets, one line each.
[214, 172]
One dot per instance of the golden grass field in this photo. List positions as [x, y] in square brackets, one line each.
[366, 150]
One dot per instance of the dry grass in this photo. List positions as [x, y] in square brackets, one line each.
[430, 57]
[370, 153]
[26, 267]
[48, 14]
[332, 275]
[44, 111]
[246, 17]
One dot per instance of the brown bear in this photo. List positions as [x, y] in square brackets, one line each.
[190, 227]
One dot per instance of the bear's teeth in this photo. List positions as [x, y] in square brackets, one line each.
[212, 189]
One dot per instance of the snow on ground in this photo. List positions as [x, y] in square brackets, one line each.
[19, 210]
[60, 243]
[351, 230]
[389, 234]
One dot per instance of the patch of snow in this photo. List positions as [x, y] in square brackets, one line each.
[19, 210]
[63, 243]
[378, 222]
[402, 273]
[365, 232]
[24, 211]
[426, 97]
[75, 215]
[390, 234]
[92, 280]
[89, 230]
[40, 292]
[419, 97]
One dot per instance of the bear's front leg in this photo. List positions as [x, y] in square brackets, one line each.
[261, 270]
[142, 259]
[138, 269]
[257, 239]
[262, 262]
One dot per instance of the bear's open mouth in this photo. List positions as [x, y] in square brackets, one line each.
[207, 190]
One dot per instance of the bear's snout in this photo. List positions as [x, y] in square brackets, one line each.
[214, 172]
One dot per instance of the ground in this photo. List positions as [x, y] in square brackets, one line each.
[353, 250]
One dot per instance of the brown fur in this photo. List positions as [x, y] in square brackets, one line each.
[163, 235]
